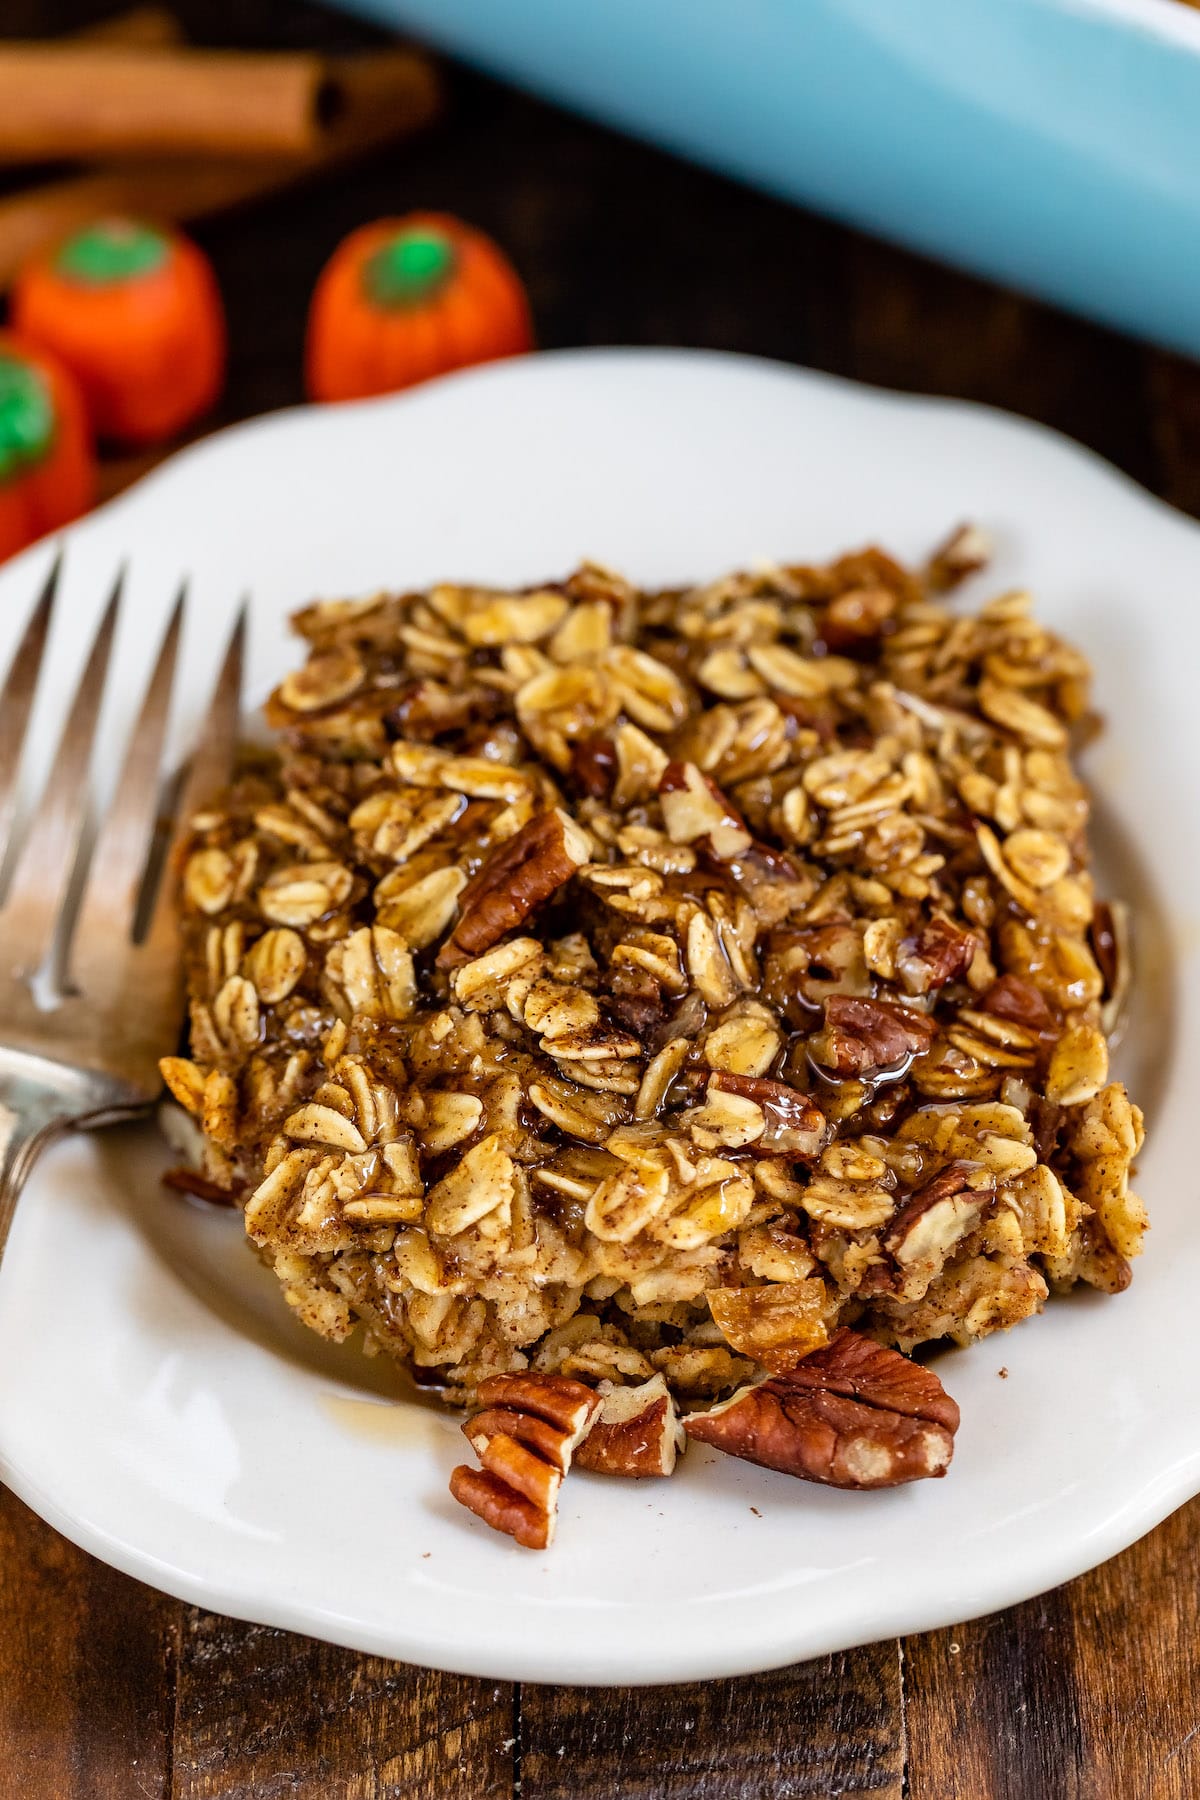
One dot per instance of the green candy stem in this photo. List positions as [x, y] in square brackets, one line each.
[112, 250]
[26, 418]
[410, 268]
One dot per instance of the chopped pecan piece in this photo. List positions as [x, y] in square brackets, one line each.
[568, 1406]
[870, 567]
[427, 710]
[856, 620]
[637, 1432]
[778, 1325]
[518, 876]
[761, 863]
[934, 1219]
[967, 550]
[524, 1436]
[809, 715]
[594, 766]
[190, 1181]
[1097, 1262]
[870, 1037]
[1047, 1121]
[491, 1499]
[852, 1415]
[794, 1126]
[1014, 997]
[538, 1435]
[805, 964]
[696, 811]
[636, 999]
[942, 952]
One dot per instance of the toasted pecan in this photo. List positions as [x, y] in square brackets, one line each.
[636, 1433]
[516, 878]
[853, 1414]
[870, 1037]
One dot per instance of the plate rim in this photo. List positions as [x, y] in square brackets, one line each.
[897, 1619]
[284, 418]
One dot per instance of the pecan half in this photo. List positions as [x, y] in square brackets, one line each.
[637, 1432]
[518, 876]
[853, 1415]
[870, 1037]
[934, 1219]
[524, 1436]
[941, 952]
[778, 1325]
[794, 1127]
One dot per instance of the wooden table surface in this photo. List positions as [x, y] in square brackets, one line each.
[108, 1690]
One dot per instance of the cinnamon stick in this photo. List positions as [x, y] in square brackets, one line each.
[386, 95]
[72, 100]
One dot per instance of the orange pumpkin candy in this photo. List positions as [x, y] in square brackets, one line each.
[47, 469]
[135, 313]
[403, 299]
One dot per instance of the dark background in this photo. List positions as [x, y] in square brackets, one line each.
[109, 1691]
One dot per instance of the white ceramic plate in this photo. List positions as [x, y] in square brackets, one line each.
[159, 1406]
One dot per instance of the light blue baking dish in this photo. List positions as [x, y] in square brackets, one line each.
[1050, 144]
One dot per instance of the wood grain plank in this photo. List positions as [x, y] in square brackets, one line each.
[829, 1728]
[86, 1671]
[1089, 1692]
[902, 321]
[1174, 392]
[1136, 1628]
[992, 1707]
[261, 1714]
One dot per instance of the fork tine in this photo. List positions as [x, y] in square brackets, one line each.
[208, 773]
[119, 857]
[47, 858]
[16, 698]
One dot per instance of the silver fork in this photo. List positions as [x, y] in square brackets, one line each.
[92, 1059]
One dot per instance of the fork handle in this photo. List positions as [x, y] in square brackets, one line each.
[25, 1129]
[34, 1111]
